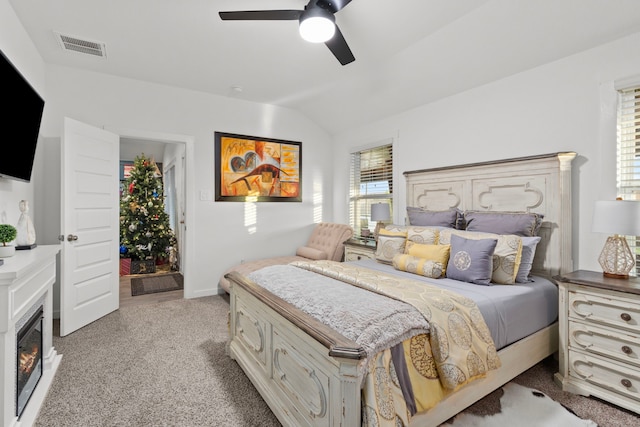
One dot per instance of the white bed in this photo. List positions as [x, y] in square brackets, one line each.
[308, 373]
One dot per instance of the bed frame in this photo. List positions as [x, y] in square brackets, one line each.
[307, 373]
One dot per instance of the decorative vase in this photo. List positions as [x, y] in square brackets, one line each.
[7, 251]
[26, 232]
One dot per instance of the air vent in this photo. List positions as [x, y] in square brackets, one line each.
[75, 44]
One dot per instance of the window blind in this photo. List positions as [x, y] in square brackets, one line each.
[628, 155]
[371, 181]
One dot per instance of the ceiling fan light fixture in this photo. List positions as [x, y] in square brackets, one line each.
[317, 25]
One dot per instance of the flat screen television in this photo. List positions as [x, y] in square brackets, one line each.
[20, 122]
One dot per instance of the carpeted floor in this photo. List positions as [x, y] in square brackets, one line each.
[164, 364]
[153, 365]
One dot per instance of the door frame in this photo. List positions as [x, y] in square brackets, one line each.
[189, 195]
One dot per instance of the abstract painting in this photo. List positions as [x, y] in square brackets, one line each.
[251, 168]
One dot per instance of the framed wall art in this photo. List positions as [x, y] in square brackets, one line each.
[125, 169]
[250, 168]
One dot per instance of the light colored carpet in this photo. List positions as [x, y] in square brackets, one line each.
[153, 365]
[164, 364]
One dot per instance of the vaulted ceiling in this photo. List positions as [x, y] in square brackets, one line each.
[408, 52]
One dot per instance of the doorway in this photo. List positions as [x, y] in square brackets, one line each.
[171, 154]
[89, 175]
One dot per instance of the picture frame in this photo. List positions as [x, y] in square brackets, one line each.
[250, 168]
[125, 169]
[127, 165]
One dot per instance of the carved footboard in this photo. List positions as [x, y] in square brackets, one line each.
[306, 372]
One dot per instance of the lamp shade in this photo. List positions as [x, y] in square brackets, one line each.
[380, 212]
[616, 217]
[317, 25]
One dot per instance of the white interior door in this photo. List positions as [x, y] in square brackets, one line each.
[90, 219]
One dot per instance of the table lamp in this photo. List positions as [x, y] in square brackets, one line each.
[620, 218]
[380, 212]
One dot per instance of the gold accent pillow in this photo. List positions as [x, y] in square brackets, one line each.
[422, 266]
[437, 253]
[390, 243]
[507, 255]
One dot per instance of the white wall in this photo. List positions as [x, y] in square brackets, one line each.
[568, 105]
[17, 46]
[224, 232]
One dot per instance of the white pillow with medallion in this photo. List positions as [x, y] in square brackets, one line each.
[424, 235]
[390, 244]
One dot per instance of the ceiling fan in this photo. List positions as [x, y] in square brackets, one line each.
[317, 24]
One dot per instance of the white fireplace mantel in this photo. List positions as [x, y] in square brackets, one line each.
[26, 279]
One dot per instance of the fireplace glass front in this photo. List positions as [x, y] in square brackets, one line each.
[29, 360]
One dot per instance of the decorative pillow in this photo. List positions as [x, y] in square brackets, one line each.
[507, 255]
[311, 253]
[422, 266]
[426, 235]
[529, 245]
[438, 253]
[471, 260]
[423, 217]
[518, 223]
[390, 244]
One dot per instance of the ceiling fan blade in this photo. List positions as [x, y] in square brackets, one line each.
[261, 15]
[332, 5]
[339, 47]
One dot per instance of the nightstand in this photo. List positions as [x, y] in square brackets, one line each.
[599, 324]
[356, 249]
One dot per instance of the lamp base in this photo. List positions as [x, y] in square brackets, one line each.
[379, 225]
[615, 276]
[616, 258]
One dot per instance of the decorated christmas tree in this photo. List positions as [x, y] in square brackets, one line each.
[145, 233]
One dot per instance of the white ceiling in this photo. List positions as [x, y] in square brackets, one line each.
[408, 52]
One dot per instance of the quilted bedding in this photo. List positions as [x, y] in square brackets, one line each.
[422, 343]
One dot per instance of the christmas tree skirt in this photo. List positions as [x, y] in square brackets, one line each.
[157, 283]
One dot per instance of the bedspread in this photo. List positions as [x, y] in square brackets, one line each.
[410, 370]
[416, 374]
[460, 340]
[373, 321]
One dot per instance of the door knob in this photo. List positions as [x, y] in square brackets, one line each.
[72, 237]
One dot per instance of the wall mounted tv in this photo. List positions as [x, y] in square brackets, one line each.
[20, 122]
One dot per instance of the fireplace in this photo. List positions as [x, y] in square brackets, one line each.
[26, 293]
[29, 364]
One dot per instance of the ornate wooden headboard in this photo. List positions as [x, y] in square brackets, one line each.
[540, 184]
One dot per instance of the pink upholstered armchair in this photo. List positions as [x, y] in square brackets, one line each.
[326, 242]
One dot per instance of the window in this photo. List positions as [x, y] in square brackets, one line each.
[628, 155]
[371, 172]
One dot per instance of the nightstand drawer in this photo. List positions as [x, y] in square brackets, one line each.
[356, 253]
[606, 375]
[606, 310]
[624, 347]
